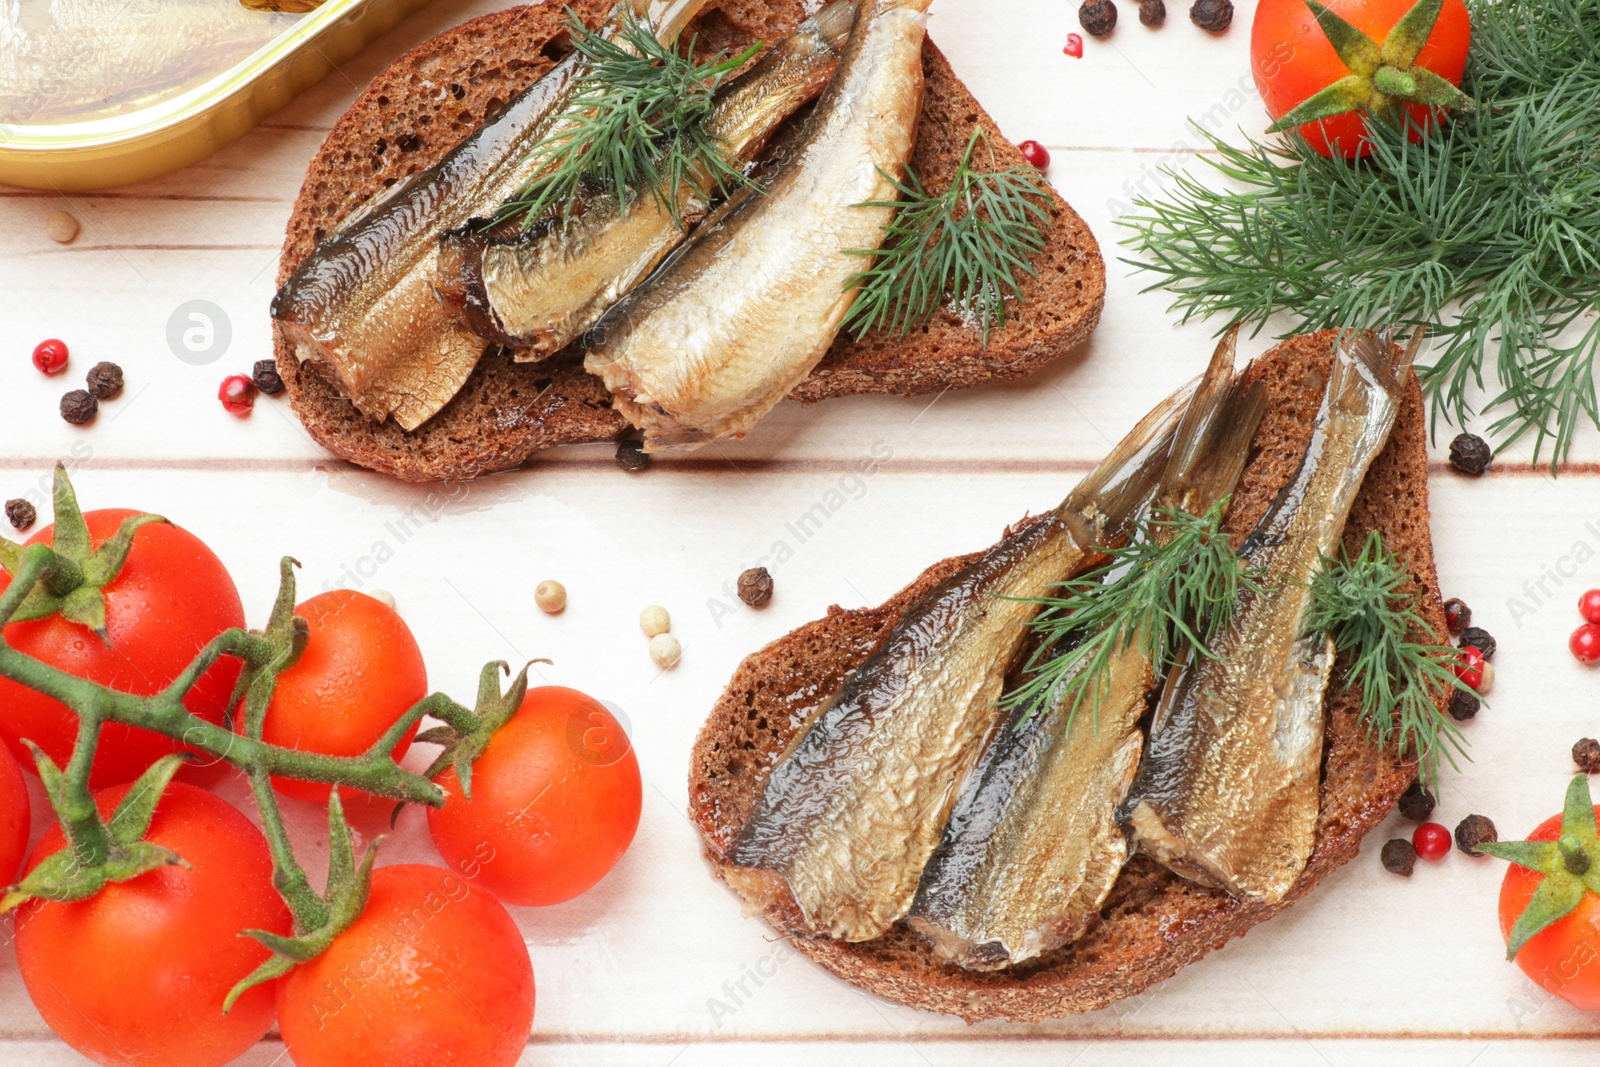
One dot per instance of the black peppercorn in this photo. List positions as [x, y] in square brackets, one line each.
[1152, 12]
[1586, 754]
[105, 381]
[1473, 831]
[631, 455]
[21, 513]
[1213, 16]
[1463, 705]
[1399, 856]
[1470, 454]
[1479, 638]
[265, 376]
[755, 587]
[79, 407]
[1097, 17]
[1457, 616]
[1416, 803]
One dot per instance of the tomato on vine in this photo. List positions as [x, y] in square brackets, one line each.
[361, 670]
[433, 973]
[1550, 900]
[555, 800]
[165, 601]
[137, 973]
[1327, 68]
[15, 817]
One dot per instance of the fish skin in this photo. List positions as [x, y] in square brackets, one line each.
[1227, 794]
[1033, 847]
[853, 808]
[741, 313]
[535, 290]
[362, 304]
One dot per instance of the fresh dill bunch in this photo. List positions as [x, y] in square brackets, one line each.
[967, 243]
[635, 123]
[1487, 229]
[1171, 589]
[1365, 606]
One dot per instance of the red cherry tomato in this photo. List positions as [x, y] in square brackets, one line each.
[1564, 957]
[238, 395]
[360, 672]
[1589, 606]
[1293, 60]
[137, 973]
[15, 817]
[1036, 154]
[50, 356]
[1585, 643]
[555, 802]
[433, 974]
[1431, 840]
[171, 598]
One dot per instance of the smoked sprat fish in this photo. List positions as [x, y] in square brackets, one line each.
[1227, 793]
[852, 810]
[1032, 847]
[536, 289]
[362, 305]
[739, 315]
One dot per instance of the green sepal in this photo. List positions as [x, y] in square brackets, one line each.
[1382, 77]
[1567, 865]
[72, 586]
[64, 876]
[131, 819]
[1345, 95]
[1356, 50]
[1405, 41]
[348, 888]
[494, 709]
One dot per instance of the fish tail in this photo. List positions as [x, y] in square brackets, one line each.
[1127, 478]
[834, 22]
[1236, 429]
[1197, 431]
[1363, 359]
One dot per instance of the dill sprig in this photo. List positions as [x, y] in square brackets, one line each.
[966, 244]
[635, 122]
[1172, 588]
[1487, 228]
[1366, 605]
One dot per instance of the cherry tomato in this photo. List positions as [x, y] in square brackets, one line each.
[555, 802]
[361, 670]
[433, 974]
[137, 973]
[1585, 643]
[1589, 606]
[171, 598]
[1293, 60]
[1564, 957]
[15, 816]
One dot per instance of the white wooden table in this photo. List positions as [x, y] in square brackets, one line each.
[656, 966]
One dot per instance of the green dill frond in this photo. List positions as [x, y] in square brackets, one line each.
[1487, 229]
[635, 123]
[966, 244]
[1365, 605]
[1171, 589]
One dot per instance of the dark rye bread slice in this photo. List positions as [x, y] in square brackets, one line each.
[1153, 923]
[433, 96]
